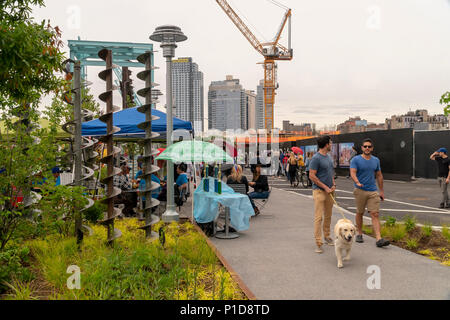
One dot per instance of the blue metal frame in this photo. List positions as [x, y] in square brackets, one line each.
[124, 55]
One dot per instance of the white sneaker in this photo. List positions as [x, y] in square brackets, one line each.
[319, 250]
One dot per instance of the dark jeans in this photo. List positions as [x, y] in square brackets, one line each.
[292, 174]
[258, 195]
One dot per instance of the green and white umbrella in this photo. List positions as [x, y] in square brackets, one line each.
[195, 151]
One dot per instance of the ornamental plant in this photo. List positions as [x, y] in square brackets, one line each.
[30, 58]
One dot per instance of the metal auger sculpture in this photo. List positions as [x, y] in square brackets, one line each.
[112, 151]
[82, 173]
[148, 168]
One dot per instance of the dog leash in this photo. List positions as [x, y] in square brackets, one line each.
[341, 211]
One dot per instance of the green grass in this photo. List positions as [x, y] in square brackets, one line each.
[427, 230]
[428, 253]
[384, 231]
[398, 232]
[446, 232]
[412, 243]
[367, 229]
[389, 221]
[20, 291]
[185, 268]
[410, 223]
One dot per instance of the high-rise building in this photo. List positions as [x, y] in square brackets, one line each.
[227, 108]
[187, 82]
[260, 110]
[251, 109]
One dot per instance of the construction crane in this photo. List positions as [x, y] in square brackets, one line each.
[272, 51]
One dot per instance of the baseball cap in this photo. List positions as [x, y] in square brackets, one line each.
[444, 150]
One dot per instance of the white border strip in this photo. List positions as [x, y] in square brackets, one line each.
[438, 228]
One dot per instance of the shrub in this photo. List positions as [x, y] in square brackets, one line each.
[446, 232]
[427, 230]
[135, 268]
[412, 243]
[367, 229]
[95, 213]
[410, 223]
[384, 231]
[12, 260]
[20, 291]
[390, 221]
[398, 233]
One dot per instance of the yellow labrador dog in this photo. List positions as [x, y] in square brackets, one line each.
[344, 230]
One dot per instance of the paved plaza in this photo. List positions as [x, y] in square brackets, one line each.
[275, 258]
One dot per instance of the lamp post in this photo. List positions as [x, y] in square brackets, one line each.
[169, 35]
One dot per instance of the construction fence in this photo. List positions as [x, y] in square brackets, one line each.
[403, 153]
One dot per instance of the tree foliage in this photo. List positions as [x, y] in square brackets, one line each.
[30, 60]
[30, 54]
[445, 101]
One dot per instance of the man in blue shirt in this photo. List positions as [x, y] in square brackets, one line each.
[182, 180]
[321, 173]
[56, 173]
[181, 184]
[363, 169]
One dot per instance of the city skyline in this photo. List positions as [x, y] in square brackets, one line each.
[187, 84]
[366, 58]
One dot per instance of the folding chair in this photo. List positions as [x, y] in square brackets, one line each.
[261, 203]
[238, 188]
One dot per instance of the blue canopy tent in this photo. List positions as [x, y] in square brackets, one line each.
[128, 119]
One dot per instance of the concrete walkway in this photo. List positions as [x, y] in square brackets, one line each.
[275, 258]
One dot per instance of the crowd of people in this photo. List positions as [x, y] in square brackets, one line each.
[133, 189]
[291, 162]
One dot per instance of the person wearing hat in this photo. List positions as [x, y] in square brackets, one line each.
[56, 173]
[127, 197]
[443, 162]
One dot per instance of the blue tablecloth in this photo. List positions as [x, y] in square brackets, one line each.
[206, 205]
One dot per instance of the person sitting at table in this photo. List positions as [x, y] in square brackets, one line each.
[127, 197]
[142, 186]
[181, 182]
[260, 186]
[236, 177]
[37, 183]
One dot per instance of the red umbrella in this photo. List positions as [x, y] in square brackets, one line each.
[297, 150]
[160, 150]
[231, 150]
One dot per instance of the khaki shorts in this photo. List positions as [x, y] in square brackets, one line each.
[366, 199]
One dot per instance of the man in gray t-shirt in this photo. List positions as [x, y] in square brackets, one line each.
[321, 173]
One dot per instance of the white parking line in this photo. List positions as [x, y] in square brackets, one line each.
[343, 209]
[351, 213]
[406, 203]
[404, 210]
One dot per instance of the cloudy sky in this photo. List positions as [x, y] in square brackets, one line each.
[372, 58]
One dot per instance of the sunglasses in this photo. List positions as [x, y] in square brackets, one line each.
[367, 147]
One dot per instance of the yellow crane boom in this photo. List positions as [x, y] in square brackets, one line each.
[271, 51]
